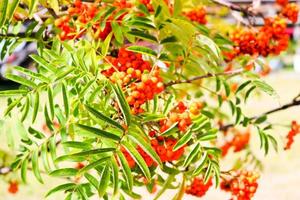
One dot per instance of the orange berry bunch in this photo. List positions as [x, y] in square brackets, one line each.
[242, 185]
[282, 2]
[143, 81]
[80, 14]
[164, 148]
[84, 13]
[13, 187]
[130, 160]
[129, 62]
[290, 11]
[238, 142]
[198, 187]
[148, 4]
[178, 115]
[295, 129]
[140, 92]
[272, 38]
[197, 15]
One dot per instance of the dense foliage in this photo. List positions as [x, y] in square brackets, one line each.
[138, 93]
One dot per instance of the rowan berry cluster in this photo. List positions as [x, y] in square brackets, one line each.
[272, 38]
[242, 185]
[148, 4]
[130, 160]
[197, 15]
[198, 187]
[83, 12]
[140, 92]
[13, 187]
[290, 11]
[238, 142]
[132, 71]
[282, 2]
[164, 148]
[73, 25]
[181, 115]
[295, 129]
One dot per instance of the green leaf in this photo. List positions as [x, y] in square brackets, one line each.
[115, 175]
[12, 8]
[35, 165]
[8, 93]
[84, 153]
[242, 86]
[43, 63]
[206, 41]
[249, 92]
[145, 146]
[98, 132]
[138, 159]
[180, 193]
[208, 172]
[122, 103]
[3, 11]
[82, 192]
[143, 35]
[64, 172]
[101, 116]
[92, 180]
[26, 109]
[21, 80]
[62, 187]
[105, 45]
[170, 130]
[94, 164]
[32, 74]
[274, 142]
[51, 102]
[44, 156]
[126, 170]
[24, 170]
[192, 155]
[238, 115]
[177, 7]
[65, 100]
[209, 135]
[11, 106]
[36, 106]
[77, 145]
[261, 119]
[37, 134]
[117, 32]
[165, 186]
[32, 6]
[169, 39]
[142, 50]
[201, 164]
[183, 140]
[168, 104]
[104, 181]
[265, 87]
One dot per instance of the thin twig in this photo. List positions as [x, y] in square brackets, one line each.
[293, 103]
[209, 75]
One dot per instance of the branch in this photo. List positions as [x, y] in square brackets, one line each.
[209, 75]
[52, 12]
[295, 102]
[248, 10]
